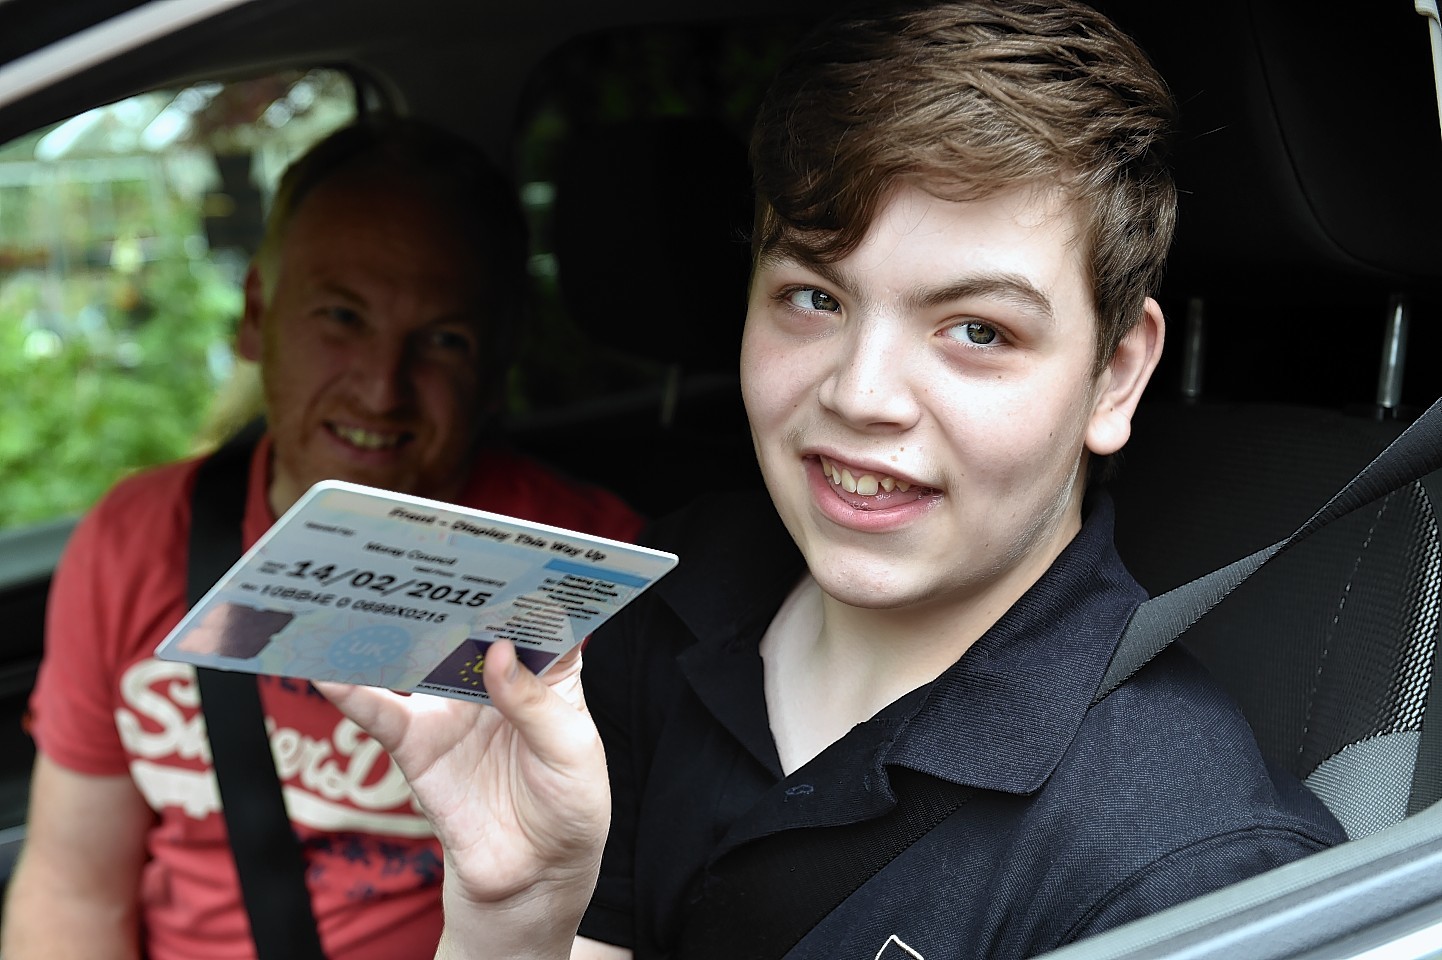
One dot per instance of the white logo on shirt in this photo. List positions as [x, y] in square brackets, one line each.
[895, 948]
[325, 772]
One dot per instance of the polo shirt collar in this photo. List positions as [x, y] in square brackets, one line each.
[1005, 713]
[1000, 718]
[738, 563]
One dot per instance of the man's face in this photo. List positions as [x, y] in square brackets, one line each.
[371, 345]
[944, 373]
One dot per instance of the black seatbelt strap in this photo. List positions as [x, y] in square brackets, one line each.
[267, 856]
[758, 900]
[1427, 774]
[1416, 452]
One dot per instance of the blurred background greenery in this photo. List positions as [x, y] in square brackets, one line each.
[124, 236]
[127, 385]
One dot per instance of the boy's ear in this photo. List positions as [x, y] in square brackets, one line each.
[1120, 385]
[248, 338]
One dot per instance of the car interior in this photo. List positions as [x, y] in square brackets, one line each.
[1304, 300]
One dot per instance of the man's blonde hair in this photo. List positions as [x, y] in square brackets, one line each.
[463, 181]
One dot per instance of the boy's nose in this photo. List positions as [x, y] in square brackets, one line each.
[869, 382]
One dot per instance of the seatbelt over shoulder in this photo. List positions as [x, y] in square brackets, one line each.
[759, 900]
[1416, 452]
[268, 858]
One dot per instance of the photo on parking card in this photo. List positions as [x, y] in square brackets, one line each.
[234, 630]
[461, 671]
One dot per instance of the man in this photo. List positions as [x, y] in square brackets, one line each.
[963, 208]
[380, 309]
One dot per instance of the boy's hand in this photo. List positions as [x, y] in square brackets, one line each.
[516, 792]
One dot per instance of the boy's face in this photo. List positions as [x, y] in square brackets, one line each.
[370, 345]
[944, 372]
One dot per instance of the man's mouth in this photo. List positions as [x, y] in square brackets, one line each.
[870, 491]
[364, 439]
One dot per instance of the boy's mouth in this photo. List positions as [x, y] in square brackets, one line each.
[870, 491]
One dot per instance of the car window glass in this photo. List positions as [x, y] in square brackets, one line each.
[125, 233]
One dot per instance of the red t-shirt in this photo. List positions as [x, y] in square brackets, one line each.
[103, 705]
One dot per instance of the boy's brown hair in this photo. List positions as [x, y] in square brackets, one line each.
[967, 98]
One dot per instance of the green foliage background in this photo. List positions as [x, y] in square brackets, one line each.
[116, 317]
[134, 393]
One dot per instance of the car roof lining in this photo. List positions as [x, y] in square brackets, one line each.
[373, 37]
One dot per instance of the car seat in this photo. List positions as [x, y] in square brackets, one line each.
[650, 235]
[1330, 650]
[1299, 230]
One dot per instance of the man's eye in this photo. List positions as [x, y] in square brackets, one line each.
[809, 298]
[974, 332]
[452, 341]
[344, 316]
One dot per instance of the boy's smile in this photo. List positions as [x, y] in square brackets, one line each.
[867, 498]
[922, 408]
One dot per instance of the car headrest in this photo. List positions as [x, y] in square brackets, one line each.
[652, 220]
[1308, 138]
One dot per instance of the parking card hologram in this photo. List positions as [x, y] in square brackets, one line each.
[367, 586]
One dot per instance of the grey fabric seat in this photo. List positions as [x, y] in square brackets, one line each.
[1331, 649]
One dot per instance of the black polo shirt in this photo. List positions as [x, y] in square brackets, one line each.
[1083, 817]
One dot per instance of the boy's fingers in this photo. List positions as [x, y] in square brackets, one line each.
[555, 730]
[381, 713]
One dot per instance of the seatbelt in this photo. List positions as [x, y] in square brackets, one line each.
[759, 900]
[1416, 452]
[268, 858]
[1427, 774]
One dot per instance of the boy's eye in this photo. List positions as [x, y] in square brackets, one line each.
[809, 298]
[974, 332]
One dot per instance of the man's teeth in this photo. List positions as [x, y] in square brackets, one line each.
[365, 439]
[866, 485]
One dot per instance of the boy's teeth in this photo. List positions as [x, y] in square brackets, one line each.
[866, 485]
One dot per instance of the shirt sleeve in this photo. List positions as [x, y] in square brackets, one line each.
[109, 596]
[507, 482]
[594, 510]
[1192, 871]
[610, 695]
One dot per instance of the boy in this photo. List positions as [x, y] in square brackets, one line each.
[962, 210]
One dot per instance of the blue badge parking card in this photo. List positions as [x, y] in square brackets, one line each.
[366, 586]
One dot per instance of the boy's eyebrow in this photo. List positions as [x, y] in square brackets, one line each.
[782, 253]
[1013, 288]
[1010, 287]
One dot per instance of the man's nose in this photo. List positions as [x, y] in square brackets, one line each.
[869, 382]
[381, 374]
